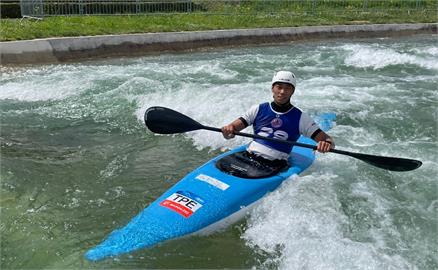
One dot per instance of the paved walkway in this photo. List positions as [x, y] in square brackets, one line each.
[55, 50]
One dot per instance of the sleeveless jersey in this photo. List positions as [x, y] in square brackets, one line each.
[283, 126]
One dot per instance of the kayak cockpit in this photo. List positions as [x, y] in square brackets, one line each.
[244, 165]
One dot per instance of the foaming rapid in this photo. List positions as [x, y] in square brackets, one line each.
[376, 56]
[206, 108]
[85, 121]
[303, 224]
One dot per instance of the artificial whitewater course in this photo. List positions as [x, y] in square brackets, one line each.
[78, 163]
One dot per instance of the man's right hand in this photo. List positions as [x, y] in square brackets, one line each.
[228, 131]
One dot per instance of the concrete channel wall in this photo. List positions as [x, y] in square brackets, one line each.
[56, 50]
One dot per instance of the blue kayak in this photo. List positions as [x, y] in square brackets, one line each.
[206, 200]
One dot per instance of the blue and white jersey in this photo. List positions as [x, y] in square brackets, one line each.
[288, 125]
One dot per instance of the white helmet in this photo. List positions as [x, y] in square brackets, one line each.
[284, 77]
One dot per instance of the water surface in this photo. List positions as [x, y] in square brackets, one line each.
[77, 161]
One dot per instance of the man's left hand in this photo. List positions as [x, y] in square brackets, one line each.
[324, 146]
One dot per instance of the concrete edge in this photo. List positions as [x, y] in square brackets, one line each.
[56, 50]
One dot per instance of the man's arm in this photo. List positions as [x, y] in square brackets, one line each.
[309, 128]
[240, 123]
[235, 126]
[325, 142]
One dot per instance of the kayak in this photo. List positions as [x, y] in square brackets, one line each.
[210, 198]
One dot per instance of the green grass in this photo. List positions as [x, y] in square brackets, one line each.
[64, 26]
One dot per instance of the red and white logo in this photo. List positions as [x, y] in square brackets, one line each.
[181, 204]
[276, 122]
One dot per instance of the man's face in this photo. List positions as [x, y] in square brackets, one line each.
[282, 92]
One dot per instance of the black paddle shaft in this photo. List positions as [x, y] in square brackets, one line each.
[255, 136]
[167, 121]
[388, 163]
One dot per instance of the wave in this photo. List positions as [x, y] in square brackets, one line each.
[303, 225]
[377, 56]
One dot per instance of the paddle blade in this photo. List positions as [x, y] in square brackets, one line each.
[388, 163]
[166, 121]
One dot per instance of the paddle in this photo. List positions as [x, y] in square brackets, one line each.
[166, 121]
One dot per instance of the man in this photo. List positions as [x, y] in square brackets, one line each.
[281, 120]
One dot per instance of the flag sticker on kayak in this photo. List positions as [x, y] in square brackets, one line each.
[213, 181]
[182, 204]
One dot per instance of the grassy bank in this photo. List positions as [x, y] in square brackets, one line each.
[63, 26]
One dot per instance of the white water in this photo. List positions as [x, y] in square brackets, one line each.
[342, 214]
[376, 56]
[304, 220]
